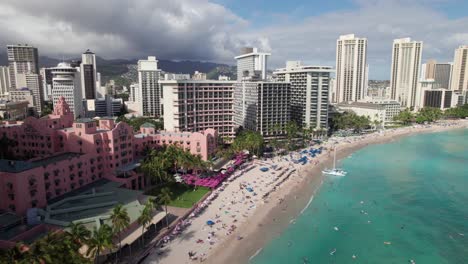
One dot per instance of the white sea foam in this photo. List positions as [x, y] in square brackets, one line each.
[307, 205]
[255, 254]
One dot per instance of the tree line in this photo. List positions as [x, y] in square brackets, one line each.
[431, 114]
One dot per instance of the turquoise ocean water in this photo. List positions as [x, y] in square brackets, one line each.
[412, 193]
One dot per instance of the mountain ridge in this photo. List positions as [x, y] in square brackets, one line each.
[115, 68]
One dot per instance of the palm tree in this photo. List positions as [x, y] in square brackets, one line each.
[165, 198]
[100, 241]
[144, 219]
[78, 233]
[120, 221]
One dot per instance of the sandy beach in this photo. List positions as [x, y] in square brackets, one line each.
[245, 219]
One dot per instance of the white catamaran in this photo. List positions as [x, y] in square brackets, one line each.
[334, 171]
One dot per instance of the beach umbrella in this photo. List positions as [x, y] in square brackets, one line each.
[210, 223]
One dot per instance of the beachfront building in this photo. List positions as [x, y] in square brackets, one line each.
[392, 108]
[375, 112]
[351, 68]
[56, 155]
[406, 64]
[193, 106]
[459, 80]
[440, 98]
[441, 73]
[309, 92]
[262, 107]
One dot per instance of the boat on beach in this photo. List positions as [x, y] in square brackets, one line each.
[335, 171]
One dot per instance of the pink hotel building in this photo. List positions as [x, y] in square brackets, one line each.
[60, 155]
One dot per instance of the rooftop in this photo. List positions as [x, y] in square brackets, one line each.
[360, 105]
[16, 166]
[94, 203]
[84, 120]
[146, 125]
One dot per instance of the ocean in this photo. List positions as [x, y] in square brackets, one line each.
[400, 202]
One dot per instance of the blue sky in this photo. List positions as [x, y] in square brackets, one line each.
[215, 30]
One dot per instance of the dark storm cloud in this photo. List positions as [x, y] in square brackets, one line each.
[176, 29]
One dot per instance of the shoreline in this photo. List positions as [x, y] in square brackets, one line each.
[271, 219]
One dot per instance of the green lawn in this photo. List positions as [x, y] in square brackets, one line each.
[182, 195]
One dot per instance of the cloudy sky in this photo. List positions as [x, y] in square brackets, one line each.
[215, 30]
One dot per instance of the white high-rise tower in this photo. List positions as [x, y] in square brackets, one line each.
[251, 64]
[460, 70]
[149, 92]
[406, 64]
[351, 63]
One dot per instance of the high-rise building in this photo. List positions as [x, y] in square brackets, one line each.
[442, 75]
[460, 70]
[46, 76]
[88, 75]
[262, 106]
[406, 63]
[24, 72]
[149, 92]
[22, 59]
[23, 94]
[351, 63]
[4, 80]
[193, 106]
[34, 83]
[429, 69]
[66, 82]
[251, 64]
[310, 87]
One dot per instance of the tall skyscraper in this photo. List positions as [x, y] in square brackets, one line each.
[24, 72]
[263, 107]
[460, 70]
[4, 79]
[22, 59]
[149, 92]
[46, 77]
[88, 75]
[66, 82]
[351, 63]
[310, 89]
[251, 64]
[406, 64]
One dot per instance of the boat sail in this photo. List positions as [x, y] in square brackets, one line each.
[335, 171]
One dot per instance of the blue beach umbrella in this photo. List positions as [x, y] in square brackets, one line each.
[210, 223]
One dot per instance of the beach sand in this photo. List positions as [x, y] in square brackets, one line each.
[258, 222]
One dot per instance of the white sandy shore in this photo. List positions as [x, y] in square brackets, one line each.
[245, 222]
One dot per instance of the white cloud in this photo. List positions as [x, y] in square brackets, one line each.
[203, 30]
[176, 29]
[314, 38]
